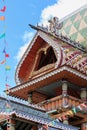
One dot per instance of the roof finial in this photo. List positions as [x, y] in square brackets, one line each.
[54, 25]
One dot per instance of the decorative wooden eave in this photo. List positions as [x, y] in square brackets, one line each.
[23, 63]
[28, 113]
[64, 72]
[57, 42]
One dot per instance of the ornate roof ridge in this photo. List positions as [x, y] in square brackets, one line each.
[60, 36]
[28, 113]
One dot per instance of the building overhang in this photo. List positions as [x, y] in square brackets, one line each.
[64, 72]
[28, 113]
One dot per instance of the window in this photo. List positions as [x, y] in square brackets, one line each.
[46, 57]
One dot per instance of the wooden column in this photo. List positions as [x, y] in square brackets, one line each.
[64, 88]
[30, 97]
[64, 93]
[65, 120]
[10, 124]
[83, 94]
[34, 127]
[84, 126]
[84, 97]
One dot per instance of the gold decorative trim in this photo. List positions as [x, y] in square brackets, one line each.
[43, 69]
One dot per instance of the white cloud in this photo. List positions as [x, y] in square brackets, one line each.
[61, 9]
[26, 38]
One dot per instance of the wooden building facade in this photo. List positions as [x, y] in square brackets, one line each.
[52, 76]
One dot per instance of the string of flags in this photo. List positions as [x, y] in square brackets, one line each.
[70, 113]
[3, 37]
[4, 61]
[6, 57]
[81, 107]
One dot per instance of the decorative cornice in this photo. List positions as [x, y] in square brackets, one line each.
[30, 114]
[45, 76]
[39, 119]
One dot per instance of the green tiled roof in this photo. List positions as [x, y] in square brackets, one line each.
[75, 26]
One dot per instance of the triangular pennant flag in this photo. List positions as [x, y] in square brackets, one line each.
[3, 9]
[2, 18]
[2, 62]
[70, 113]
[64, 117]
[8, 107]
[50, 123]
[7, 67]
[74, 110]
[83, 105]
[57, 120]
[2, 35]
[60, 118]
[53, 123]
[4, 51]
[7, 86]
[7, 117]
[45, 127]
[79, 108]
[6, 55]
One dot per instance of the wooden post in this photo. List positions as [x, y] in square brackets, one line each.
[84, 126]
[65, 120]
[10, 124]
[64, 88]
[64, 93]
[30, 97]
[83, 94]
[34, 127]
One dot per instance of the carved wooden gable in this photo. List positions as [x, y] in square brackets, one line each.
[42, 55]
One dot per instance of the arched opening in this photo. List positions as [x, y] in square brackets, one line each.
[45, 58]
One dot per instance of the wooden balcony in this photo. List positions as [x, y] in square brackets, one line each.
[62, 106]
[61, 102]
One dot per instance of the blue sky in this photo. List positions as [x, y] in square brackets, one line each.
[18, 15]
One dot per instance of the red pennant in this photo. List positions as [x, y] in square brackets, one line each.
[7, 88]
[45, 127]
[6, 55]
[3, 9]
[64, 117]
[83, 105]
[7, 85]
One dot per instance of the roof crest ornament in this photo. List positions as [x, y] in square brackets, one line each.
[53, 29]
[55, 25]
